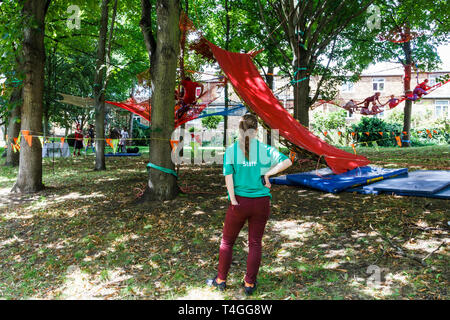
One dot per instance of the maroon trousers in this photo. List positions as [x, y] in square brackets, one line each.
[256, 211]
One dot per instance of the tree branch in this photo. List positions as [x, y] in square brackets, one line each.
[146, 26]
[261, 13]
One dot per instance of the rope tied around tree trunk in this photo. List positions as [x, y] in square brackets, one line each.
[166, 170]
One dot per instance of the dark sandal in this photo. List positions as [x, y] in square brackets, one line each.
[213, 283]
[249, 290]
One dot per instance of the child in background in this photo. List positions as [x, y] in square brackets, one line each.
[78, 141]
[392, 102]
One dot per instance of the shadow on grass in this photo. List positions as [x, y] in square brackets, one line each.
[82, 238]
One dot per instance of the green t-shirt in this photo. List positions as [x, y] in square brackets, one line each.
[247, 172]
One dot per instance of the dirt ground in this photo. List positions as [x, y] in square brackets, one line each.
[84, 237]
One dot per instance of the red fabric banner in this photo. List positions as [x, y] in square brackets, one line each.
[252, 89]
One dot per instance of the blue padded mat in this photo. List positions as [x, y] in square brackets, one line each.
[122, 155]
[326, 180]
[421, 183]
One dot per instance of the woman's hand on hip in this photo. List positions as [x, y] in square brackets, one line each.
[267, 182]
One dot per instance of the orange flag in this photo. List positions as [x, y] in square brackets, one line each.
[368, 133]
[109, 141]
[174, 143]
[353, 133]
[429, 133]
[28, 138]
[325, 133]
[16, 145]
[435, 131]
[399, 141]
[292, 156]
[381, 133]
[354, 149]
[339, 133]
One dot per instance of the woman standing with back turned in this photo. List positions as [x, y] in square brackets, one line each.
[248, 163]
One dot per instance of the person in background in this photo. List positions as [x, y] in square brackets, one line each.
[350, 106]
[78, 141]
[376, 108]
[123, 140]
[90, 138]
[392, 102]
[369, 100]
[189, 96]
[421, 89]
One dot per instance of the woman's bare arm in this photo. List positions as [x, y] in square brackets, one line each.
[278, 168]
[230, 187]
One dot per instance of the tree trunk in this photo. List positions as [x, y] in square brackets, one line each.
[13, 130]
[161, 185]
[99, 90]
[29, 179]
[407, 85]
[227, 44]
[269, 80]
[301, 95]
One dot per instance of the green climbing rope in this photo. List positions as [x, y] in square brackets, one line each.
[166, 170]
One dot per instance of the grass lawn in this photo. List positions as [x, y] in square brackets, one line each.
[84, 236]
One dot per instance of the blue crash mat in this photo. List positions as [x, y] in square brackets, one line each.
[421, 183]
[122, 155]
[326, 180]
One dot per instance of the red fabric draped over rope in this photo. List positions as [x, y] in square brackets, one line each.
[143, 109]
[252, 89]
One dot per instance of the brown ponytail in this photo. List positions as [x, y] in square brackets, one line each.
[247, 122]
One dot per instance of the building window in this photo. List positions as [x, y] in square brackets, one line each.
[441, 109]
[347, 87]
[378, 84]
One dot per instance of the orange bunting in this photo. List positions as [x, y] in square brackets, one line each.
[174, 143]
[367, 133]
[339, 133]
[292, 156]
[429, 133]
[399, 141]
[28, 138]
[109, 141]
[381, 133]
[353, 133]
[325, 133]
[354, 149]
[435, 131]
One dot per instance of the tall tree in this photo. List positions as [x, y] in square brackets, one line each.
[163, 53]
[11, 33]
[13, 129]
[423, 25]
[311, 27]
[100, 84]
[29, 179]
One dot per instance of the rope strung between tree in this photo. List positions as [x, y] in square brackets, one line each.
[166, 170]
